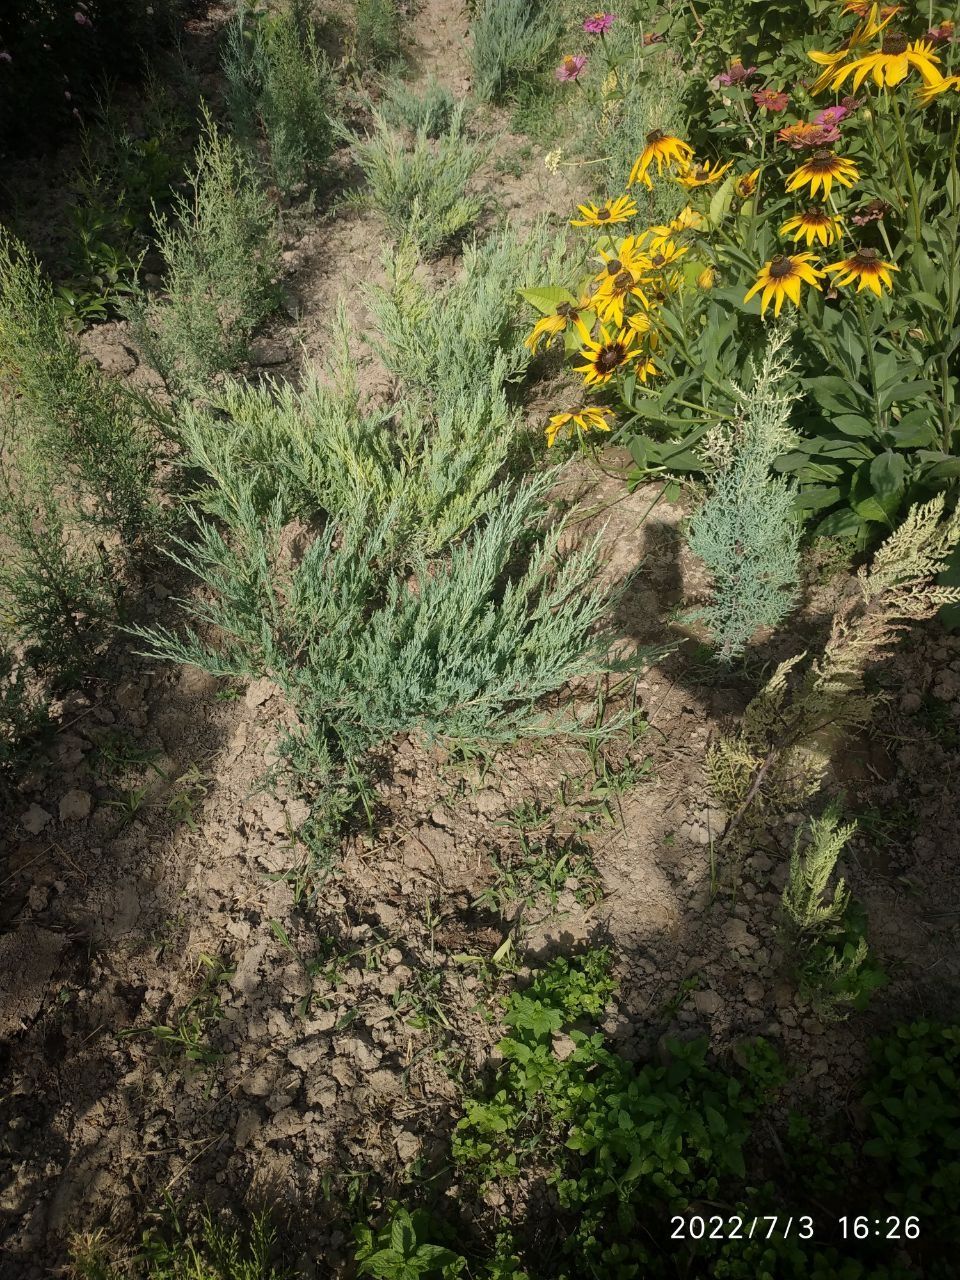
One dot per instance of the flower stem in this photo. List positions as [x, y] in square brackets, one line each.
[908, 168]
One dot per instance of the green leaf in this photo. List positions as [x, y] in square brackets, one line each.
[887, 476]
[722, 200]
[547, 298]
[839, 524]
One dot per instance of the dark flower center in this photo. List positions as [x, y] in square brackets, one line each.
[603, 215]
[614, 266]
[623, 281]
[658, 259]
[780, 267]
[866, 257]
[823, 161]
[566, 311]
[815, 214]
[895, 42]
[610, 356]
[654, 136]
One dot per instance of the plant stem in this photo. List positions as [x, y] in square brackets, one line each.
[871, 362]
[908, 168]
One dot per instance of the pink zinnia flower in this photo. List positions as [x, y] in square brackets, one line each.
[572, 67]
[831, 115]
[736, 73]
[599, 24]
[82, 19]
[4, 56]
[771, 99]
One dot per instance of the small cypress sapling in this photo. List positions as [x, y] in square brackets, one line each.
[223, 263]
[746, 531]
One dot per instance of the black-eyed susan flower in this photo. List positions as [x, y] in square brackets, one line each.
[663, 148]
[590, 418]
[628, 256]
[815, 223]
[686, 220]
[614, 349]
[867, 268]
[897, 56]
[782, 277]
[606, 215]
[551, 326]
[664, 252]
[702, 175]
[871, 23]
[822, 170]
[746, 184]
[928, 92]
[610, 299]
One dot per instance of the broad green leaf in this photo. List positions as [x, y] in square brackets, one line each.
[838, 524]
[887, 476]
[547, 298]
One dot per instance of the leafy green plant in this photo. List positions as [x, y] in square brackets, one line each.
[189, 1032]
[511, 41]
[422, 191]
[223, 261]
[912, 1110]
[403, 1250]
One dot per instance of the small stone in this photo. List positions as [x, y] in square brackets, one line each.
[258, 1084]
[298, 811]
[408, 1146]
[707, 1002]
[269, 352]
[911, 702]
[259, 692]
[35, 819]
[75, 805]
[753, 991]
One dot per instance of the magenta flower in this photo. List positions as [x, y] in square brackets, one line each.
[736, 73]
[598, 24]
[4, 56]
[831, 115]
[572, 67]
[82, 19]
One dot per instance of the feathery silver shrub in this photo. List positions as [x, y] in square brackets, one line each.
[746, 532]
[223, 262]
[276, 80]
[421, 189]
[430, 111]
[428, 592]
[510, 40]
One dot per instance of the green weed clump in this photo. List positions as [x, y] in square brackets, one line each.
[277, 82]
[422, 190]
[511, 41]
[223, 261]
[746, 532]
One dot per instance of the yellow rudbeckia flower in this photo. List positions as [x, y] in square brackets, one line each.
[603, 356]
[620, 210]
[702, 175]
[896, 58]
[583, 420]
[666, 149]
[865, 266]
[782, 277]
[821, 170]
[814, 224]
